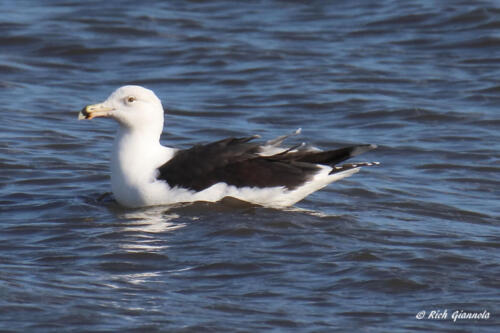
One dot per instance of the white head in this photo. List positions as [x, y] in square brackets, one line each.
[135, 108]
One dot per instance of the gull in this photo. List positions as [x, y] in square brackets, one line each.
[146, 173]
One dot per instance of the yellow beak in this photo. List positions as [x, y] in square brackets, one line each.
[95, 110]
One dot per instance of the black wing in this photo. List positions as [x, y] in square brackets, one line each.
[235, 161]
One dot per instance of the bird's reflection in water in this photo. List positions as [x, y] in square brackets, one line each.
[144, 246]
[145, 225]
[152, 220]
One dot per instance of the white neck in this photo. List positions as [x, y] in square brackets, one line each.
[134, 161]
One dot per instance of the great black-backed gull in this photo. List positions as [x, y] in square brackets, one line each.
[145, 173]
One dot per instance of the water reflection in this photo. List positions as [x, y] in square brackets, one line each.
[155, 219]
[142, 252]
[145, 226]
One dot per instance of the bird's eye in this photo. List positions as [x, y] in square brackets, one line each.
[131, 99]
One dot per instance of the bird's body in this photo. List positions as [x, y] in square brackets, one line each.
[145, 173]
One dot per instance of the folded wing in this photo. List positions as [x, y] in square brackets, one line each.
[237, 162]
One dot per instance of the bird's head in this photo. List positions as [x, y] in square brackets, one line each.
[133, 107]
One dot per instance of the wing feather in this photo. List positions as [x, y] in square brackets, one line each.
[236, 161]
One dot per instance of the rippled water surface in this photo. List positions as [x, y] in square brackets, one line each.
[419, 233]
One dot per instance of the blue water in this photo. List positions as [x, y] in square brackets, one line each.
[418, 233]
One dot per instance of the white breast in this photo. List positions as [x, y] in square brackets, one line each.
[134, 163]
